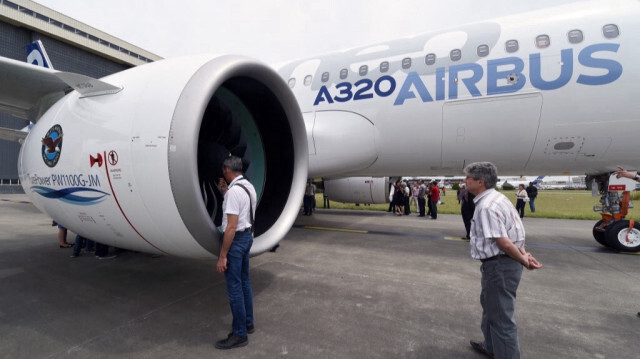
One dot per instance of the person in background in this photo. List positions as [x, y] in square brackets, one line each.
[634, 176]
[521, 198]
[309, 197]
[435, 197]
[532, 192]
[78, 244]
[466, 209]
[422, 192]
[414, 197]
[62, 237]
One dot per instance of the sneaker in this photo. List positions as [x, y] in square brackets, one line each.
[232, 341]
[112, 256]
[74, 255]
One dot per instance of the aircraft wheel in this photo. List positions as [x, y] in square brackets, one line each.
[600, 236]
[616, 236]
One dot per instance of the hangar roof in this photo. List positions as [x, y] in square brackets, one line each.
[34, 16]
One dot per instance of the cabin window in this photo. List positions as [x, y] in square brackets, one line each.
[543, 41]
[307, 80]
[292, 82]
[384, 66]
[455, 54]
[363, 70]
[344, 73]
[430, 59]
[512, 46]
[406, 63]
[575, 36]
[325, 77]
[610, 31]
[482, 50]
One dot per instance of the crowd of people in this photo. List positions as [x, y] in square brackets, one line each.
[424, 196]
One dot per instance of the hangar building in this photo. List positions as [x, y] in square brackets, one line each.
[71, 45]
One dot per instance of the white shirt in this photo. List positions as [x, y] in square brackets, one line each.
[494, 217]
[236, 202]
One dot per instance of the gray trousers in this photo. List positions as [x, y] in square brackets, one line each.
[500, 279]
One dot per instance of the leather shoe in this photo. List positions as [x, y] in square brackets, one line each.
[479, 347]
[232, 341]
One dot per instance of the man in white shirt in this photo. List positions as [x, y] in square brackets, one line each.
[237, 221]
[497, 240]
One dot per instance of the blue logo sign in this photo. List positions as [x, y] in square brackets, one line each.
[52, 146]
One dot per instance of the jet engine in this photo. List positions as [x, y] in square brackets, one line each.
[138, 167]
[365, 190]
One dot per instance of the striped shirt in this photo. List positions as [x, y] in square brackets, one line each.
[494, 217]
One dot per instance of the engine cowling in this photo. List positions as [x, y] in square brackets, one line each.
[365, 190]
[137, 169]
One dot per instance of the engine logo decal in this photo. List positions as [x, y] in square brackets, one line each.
[52, 146]
[70, 195]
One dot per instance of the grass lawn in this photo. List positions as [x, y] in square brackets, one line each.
[549, 204]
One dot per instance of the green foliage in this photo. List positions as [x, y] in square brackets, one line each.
[455, 186]
[507, 187]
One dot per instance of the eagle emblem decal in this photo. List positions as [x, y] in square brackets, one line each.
[52, 146]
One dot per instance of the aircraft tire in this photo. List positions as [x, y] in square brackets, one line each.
[616, 235]
[600, 237]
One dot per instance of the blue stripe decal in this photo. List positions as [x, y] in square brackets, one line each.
[68, 195]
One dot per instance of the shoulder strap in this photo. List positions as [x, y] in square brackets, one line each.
[250, 206]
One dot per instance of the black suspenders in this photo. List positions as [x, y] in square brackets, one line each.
[250, 205]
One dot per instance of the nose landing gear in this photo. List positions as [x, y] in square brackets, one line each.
[613, 230]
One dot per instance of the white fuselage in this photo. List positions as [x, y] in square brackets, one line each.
[561, 100]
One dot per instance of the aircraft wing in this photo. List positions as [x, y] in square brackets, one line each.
[12, 135]
[27, 91]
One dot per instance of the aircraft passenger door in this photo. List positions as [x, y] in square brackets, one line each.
[502, 129]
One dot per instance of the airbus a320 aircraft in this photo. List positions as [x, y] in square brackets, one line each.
[132, 159]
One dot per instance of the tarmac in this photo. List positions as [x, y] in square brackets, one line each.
[343, 284]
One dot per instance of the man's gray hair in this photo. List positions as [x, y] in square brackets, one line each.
[486, 171]
[234, 163]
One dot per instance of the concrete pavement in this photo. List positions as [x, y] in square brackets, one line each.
[343, 284]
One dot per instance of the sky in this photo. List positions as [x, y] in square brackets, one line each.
[276, 31]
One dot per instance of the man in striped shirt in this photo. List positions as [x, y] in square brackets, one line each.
[497, 240]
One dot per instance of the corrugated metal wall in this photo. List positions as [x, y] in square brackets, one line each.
[64, 57]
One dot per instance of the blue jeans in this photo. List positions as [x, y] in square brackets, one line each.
[79, 242]
[308, 205]
[531, 205]
[238, 283]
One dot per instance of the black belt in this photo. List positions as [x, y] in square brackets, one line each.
[248, 229]
[492, 258]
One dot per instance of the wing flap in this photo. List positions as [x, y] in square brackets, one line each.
[25, 85]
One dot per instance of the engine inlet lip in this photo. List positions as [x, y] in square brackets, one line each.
[183, 149]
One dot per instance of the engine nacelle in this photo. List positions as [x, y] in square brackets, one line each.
[138, 169]
[365, 190]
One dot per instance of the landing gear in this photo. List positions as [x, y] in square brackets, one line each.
[599, 233]
[613, 230]
[624, 235]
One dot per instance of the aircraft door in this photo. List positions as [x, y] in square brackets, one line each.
[499, 129]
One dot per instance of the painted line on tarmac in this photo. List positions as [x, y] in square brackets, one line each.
[336, 229]
[636, 253]
[13, 201]
[456, 239]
